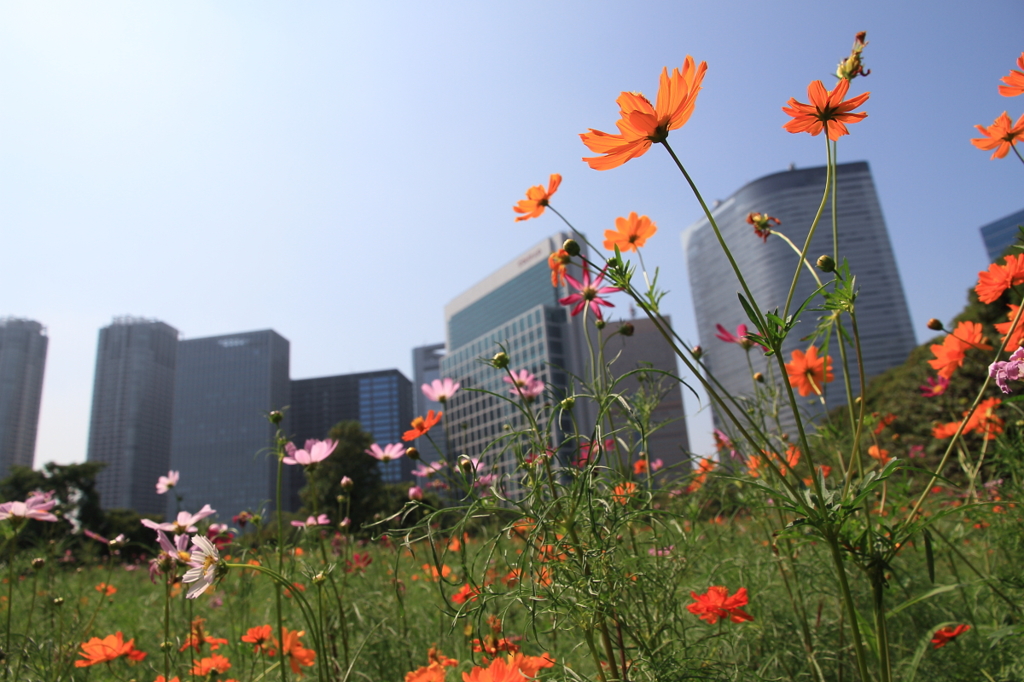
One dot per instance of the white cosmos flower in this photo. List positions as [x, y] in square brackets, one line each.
[204, 562]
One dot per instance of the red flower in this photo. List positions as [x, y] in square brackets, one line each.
[465, 594]
[827, 110]
[944, 636]
[716, 603]
[359, 562]
[763, 224]
[420, 425]
[589, 294]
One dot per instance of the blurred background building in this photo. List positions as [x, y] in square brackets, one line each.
[224, 388]
[426, 367]
[132, 406]
[793, 197]
[23, 346]
[1000, 235]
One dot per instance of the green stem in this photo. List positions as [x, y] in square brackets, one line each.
[280, 563]
[829, 180]
[166, 646]
[881, 630]
[28, 625]
[844, 586]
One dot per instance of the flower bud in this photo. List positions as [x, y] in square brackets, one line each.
[571, 247]
[758, 377]
[697, 352]
[416, 493]
[627, 329]
[344, 523]
[600, 324]
[613, 262]
[500, 361]
[166, 646]
[275, 417]
[38, 563]
[346, 483]
[826, 264]
[319, 578]
[465, 463]
[934, 325]
[568, 403]
[340, 499]
[412, 453]
[58, 601]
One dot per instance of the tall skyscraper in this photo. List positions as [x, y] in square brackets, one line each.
[793, 197]
[647, 349]
[132, 403]
[516, 306]
[22, 361]
[225, 387]
[426, 367]
[999, 235]
[380, 401]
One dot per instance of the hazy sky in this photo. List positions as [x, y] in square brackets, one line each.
[337, 171]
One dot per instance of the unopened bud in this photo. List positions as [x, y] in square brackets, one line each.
[275, 417]
[627, 329]
[38, 563]
[571, 247]
[346, 483]
[166, 646]
[465, 463]
[697, 352]
[319, 578]
[344, 523]
[506, 427]
[340, 499]
[500, 361]
[58, 601]
[568, 403]
[826, 264]
[416, 493]
[935, 325]
[600, 324]
[758, 377]
[613, 262]
[412, 453]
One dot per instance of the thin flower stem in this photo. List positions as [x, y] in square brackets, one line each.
[13, 544]
[851, 609]
[855, 453]
[280, 559]
[1017, 152]
[829, 181]
[796, 250]
[166, 645]
[110, 572]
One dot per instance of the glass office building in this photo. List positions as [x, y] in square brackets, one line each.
[380, 401]
[132, 405]
[23, 346]
[426, 367]
[224, 388]
[1001, 234]
[793, 197]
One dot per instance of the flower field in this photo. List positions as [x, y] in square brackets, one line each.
[876, 538]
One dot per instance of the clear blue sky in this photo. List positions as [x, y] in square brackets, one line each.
[338, 171]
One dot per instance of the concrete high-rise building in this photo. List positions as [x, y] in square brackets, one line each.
[22, 361]
[646, 349]
[224, 388]
[516, 306]
[999, 235]
[793, 197]
[426, 367]
[380, 401]
[132, 404]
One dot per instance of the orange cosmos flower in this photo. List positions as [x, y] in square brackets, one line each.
[197, 637]
[807, 372]
[109, 648]
[1017, 339]
[630, 233]
[704, 467]
[950, 354]
[984, 422]
[296, 653]
[944, 636]
[623, 492]
[433, 573]
[537, 199]
[1000, 277]
[421, 425]
[214, 664]
[1015, 81]
[557, 262]
[1001, 135]
[434, 671]
[465, 594]
[827, 110]
[875, 452]
[641, 124]
[106, 589]
[716, 603]
[500, 670]
[259, 637]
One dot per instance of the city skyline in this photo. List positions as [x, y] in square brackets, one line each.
[23, 345]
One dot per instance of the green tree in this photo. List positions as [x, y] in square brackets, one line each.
[323, 481]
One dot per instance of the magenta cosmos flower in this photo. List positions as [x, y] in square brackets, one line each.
[37, 506]
[524, 384]
[185, 523]
[440, 390]
[315, 451]
[165, 483]
[425, 470]
[387, 453]
[589, 294]
[321, 520]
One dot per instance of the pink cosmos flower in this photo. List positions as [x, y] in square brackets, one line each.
[119, 541]
[485, 480]
[177, 551]
[321, 520]
[525, 385]
[586, 448]
[440, 390]
[934, 387]
[315, 451]
[425, 470]
[416, 493]
[389, 452]
[662, 551]
[657, 464]
[165, 483]
[589, 294]
[185, 523]
[740, 338]
[37, 507]
[1011, 370]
